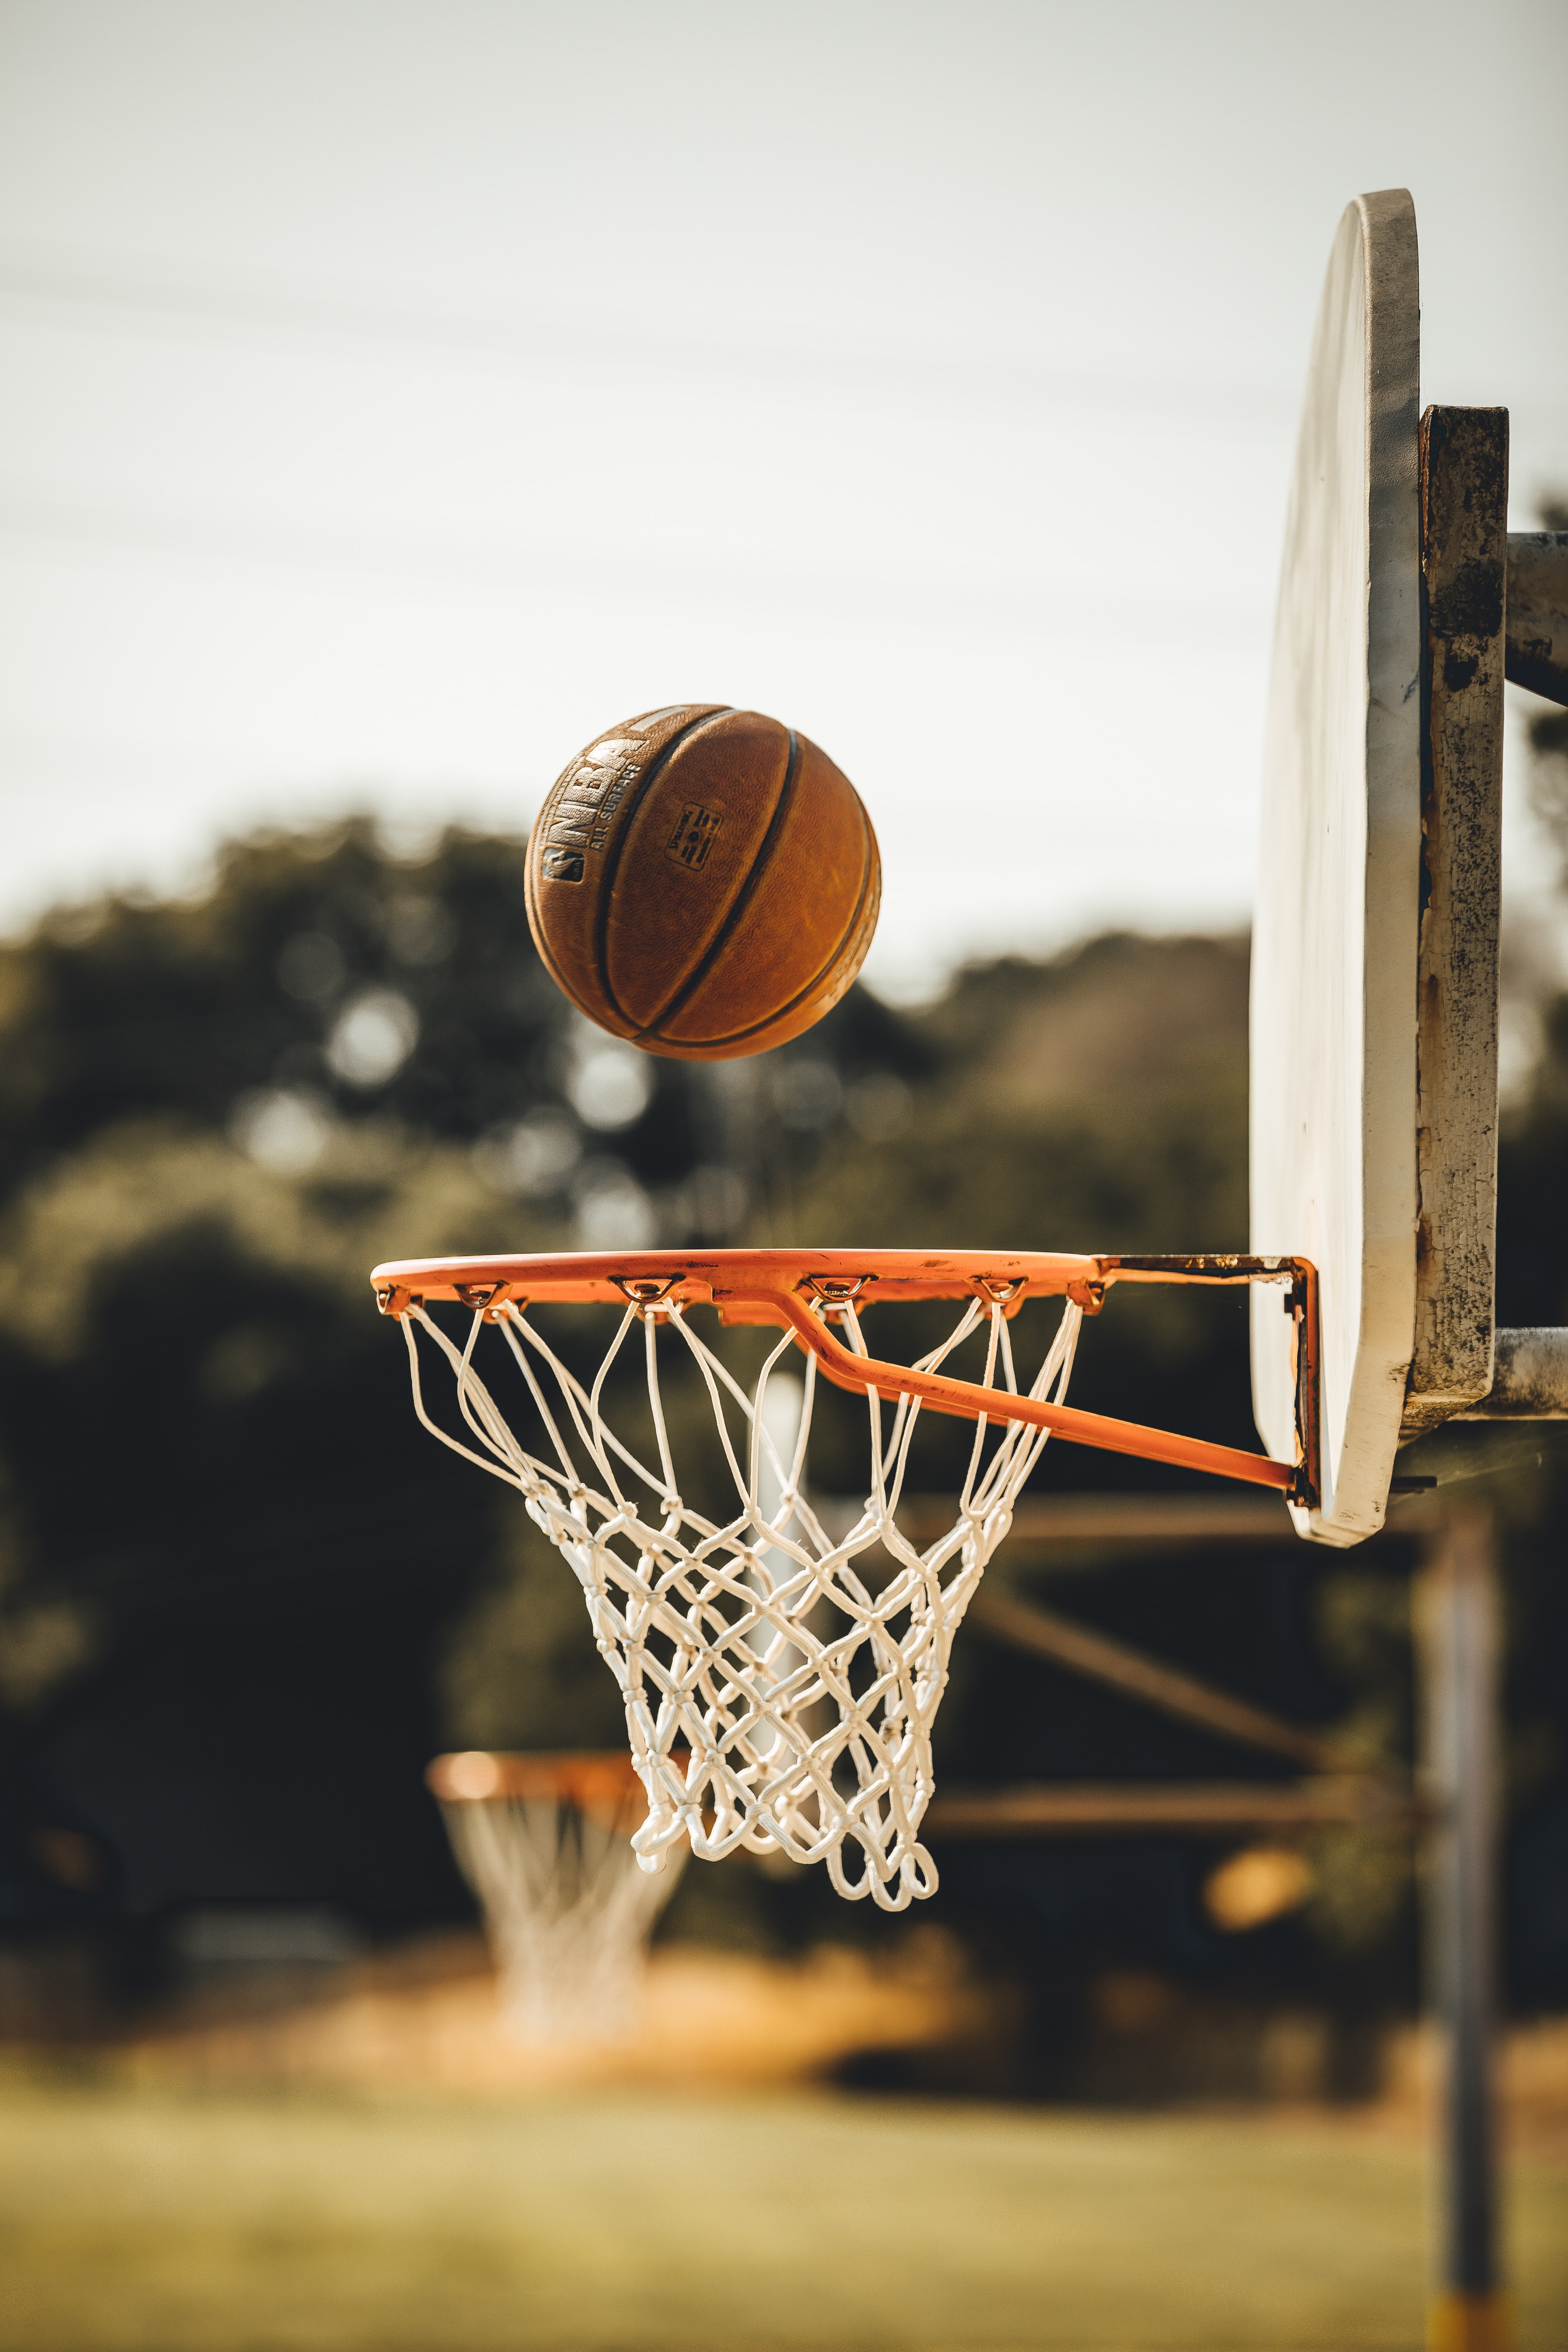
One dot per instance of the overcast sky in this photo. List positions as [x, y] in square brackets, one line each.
[395, 395]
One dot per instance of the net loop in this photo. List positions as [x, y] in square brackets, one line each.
[780, 1675]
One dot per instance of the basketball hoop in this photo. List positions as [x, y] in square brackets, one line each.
[780, 1679]
[545, 1844]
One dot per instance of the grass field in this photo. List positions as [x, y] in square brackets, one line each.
[144, 2221]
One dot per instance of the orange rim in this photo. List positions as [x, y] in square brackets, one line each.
[590, 1780]
[802, 1290]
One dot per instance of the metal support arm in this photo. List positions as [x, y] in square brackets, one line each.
[1537, 609]
[1531, 1379]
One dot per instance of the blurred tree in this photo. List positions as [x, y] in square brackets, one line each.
[212, 1512]
[320, 981]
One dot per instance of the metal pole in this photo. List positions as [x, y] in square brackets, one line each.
[1459, 1613]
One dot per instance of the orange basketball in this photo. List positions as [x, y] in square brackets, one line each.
[704, 881]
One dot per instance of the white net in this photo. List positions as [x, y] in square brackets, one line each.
[781, 1678]
[568, 1910]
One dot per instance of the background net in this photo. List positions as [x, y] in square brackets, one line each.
[781, 1677]
[568, 1909]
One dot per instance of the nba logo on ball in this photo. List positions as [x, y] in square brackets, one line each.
[724, 882]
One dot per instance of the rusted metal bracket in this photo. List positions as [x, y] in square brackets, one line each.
[1494, 605]
[1464, 548]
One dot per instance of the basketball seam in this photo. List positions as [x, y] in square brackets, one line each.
[781, 1011]
[740, 901]
[612, 857]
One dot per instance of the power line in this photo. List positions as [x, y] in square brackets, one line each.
[523, 570]
[151, 301]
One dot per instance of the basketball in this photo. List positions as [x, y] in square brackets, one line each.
[704, 881]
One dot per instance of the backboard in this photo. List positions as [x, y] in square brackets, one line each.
[1373, 1086]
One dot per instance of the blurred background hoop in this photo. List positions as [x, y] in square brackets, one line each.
[544, 1841]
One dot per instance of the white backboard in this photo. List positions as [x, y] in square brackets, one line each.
[1335, 942]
